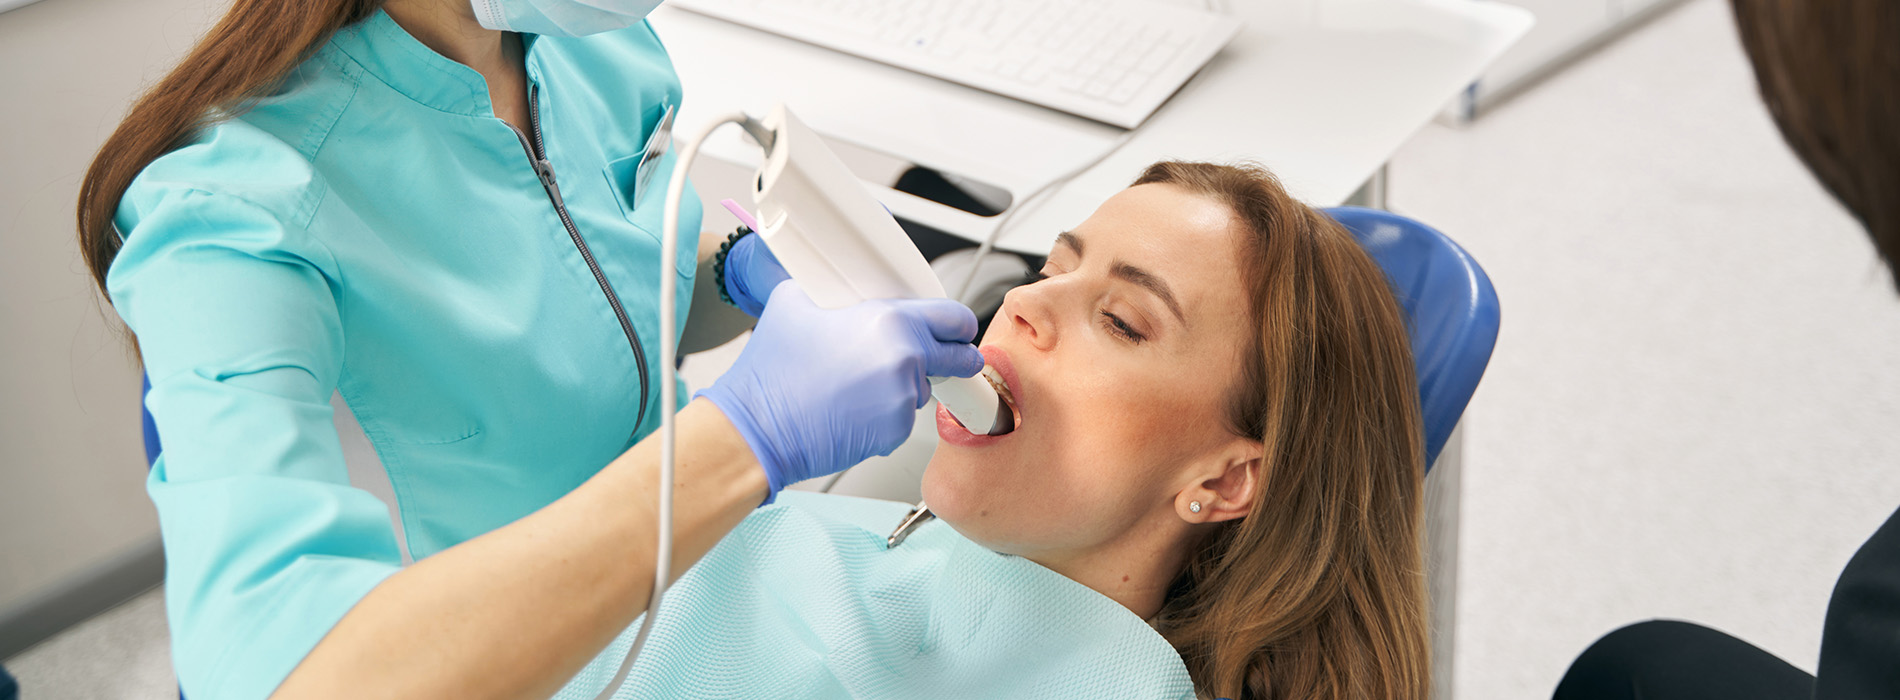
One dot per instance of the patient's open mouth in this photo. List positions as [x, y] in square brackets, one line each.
[1001, 374]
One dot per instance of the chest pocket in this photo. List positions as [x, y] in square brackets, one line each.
[623, 175]
[647, 212]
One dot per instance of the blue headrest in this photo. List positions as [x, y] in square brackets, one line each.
[1450, 308]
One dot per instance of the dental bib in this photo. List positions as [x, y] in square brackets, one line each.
[803, 600]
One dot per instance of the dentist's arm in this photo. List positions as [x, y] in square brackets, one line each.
[516, 612]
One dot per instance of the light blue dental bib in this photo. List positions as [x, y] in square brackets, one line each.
[803, 600]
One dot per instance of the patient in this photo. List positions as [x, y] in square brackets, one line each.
[1219, 436]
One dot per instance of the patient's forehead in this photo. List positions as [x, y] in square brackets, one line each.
[1190, 239]
[1184, 214]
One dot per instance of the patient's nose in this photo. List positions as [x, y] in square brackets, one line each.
[1029, 315]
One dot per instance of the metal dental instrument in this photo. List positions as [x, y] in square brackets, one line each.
[918, 516]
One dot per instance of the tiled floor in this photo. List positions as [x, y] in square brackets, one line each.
[1690, 412]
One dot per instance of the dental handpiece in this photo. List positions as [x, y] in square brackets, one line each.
[844, 247]
[975, 403]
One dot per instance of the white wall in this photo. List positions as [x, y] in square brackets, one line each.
[71, 459]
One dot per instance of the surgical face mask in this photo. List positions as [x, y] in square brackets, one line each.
[561, 17]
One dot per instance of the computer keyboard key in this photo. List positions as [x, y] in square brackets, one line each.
[1156, 59]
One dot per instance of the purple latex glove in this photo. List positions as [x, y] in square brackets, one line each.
[752, 272]
[818, 390]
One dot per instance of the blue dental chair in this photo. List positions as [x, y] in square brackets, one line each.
[151, 445]
[1450, 308]
[151, 428]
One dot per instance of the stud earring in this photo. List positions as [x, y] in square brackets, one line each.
[1194, 506]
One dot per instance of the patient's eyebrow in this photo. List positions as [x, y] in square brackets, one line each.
[1074, 243]
[1151, 283]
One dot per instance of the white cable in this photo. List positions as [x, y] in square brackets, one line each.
[669, 384]
[1050, 187]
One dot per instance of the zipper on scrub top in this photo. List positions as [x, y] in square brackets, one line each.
[544, 170]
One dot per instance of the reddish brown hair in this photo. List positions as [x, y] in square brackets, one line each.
[1318, 593]
[253, 47]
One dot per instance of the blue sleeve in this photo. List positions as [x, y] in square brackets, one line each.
[266, 543]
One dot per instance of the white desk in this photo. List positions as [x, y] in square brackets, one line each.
[1322, 92]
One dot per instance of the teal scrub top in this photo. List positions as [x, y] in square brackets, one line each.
[371, 230]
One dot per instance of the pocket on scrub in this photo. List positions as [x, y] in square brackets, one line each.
[650, 213]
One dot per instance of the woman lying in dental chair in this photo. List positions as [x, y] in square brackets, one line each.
[1213, 491]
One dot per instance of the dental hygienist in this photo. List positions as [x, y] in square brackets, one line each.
[440, 216]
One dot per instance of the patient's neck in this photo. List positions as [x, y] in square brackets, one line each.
[1134, 569]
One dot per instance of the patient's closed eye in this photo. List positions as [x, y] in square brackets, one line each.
[1110, 322]
[1117, 326]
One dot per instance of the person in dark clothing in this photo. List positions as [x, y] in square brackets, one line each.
[1829, 71]
[9, 689]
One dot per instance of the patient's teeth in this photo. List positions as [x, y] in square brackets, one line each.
[1002, 388]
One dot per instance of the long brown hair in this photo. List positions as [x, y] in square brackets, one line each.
[1830, 73]
[253, 47]
[1318, 593]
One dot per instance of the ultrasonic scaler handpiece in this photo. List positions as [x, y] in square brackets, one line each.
[843, 247]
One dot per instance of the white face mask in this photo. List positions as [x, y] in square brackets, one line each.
[561, 17]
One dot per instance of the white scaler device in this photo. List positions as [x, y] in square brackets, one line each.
[843, 248]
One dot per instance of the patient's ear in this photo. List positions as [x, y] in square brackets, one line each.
[1228, 493]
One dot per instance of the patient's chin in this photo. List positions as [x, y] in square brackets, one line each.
[954, 500]
[972, 511]
[942, 497]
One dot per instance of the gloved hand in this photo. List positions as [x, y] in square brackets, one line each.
[818, 390]
[752, 271]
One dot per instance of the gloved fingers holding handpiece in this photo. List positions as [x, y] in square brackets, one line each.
[818, 390]
[751, 272]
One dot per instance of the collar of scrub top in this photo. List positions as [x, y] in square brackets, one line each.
[391, 55]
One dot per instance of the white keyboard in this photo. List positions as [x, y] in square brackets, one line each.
[1114, 61]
